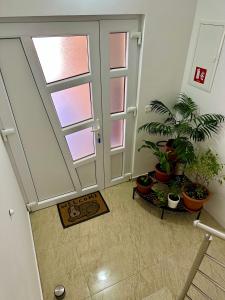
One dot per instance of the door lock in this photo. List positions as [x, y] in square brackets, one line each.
[99, 138]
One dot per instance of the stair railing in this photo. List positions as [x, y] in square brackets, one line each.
[198, 260]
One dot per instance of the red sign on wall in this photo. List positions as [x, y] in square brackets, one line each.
[200, 75]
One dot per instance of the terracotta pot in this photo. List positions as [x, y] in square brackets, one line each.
[194, 204]
[160, 175]
[143, 188]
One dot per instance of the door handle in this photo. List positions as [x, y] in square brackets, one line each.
[6, 132]
[132, 109]
[96, 126]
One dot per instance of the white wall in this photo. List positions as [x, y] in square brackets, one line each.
[18, 269]
[168, 26]
[213, 101]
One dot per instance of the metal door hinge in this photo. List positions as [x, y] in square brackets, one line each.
[6, 132]
[138, 36]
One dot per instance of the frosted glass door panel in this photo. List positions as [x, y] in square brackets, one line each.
[81, 143]
[62, 57]
[117, 94]
[117, 133]
[117, 49]
[73, 105]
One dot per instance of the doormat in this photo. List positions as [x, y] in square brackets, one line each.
[82, 209]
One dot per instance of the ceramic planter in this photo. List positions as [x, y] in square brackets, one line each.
[194, 204]
[173, 203]
[160, 175]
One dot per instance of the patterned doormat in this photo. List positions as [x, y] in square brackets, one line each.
[82, 209]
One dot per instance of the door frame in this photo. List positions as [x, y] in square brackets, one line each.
[20, 30]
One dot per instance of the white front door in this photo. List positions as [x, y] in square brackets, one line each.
[65, 62]
[86, 77]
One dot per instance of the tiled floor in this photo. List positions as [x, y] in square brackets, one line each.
[127, 254]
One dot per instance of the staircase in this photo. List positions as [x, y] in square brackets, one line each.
[192, 290]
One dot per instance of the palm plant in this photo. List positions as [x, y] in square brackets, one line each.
[183, 124]
[183, 120]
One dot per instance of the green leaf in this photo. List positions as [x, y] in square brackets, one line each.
[159, 107]
[157, 128]
[186, 106]
[210, 118]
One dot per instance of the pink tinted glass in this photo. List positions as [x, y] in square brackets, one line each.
[117, 49]
[117, 94]
[117, 133]
[73, 105]
[62, 57]
[81, 143]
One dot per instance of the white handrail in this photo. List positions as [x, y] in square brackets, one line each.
[209, 229]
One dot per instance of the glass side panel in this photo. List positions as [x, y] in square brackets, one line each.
[81, 143]
[62, 57]
[117, 49]
[117, 133]
[117, 94]
[73, 105]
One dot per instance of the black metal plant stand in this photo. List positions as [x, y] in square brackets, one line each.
[152, 197]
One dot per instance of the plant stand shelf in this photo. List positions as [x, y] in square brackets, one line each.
[152, 197]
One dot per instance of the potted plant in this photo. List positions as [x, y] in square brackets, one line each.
[182, 124]
[144, 184]
[161, 197]
[205, 168]
[163, 169]
[174, 195]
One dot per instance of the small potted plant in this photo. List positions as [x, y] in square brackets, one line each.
[163, 169]
[205, 168]
[144, 184]
[174, 195]
[161, 197]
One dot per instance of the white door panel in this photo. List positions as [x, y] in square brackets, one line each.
[74, 107]
[122, 121]
[74, 132]
[47, 167]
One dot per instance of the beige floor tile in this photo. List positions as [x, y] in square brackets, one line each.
[167, 273]
[129, 253]
[61, 266]
[162, 294]
[105, 263]
[132, 288]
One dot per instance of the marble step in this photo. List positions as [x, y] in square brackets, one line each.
[162, 294]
